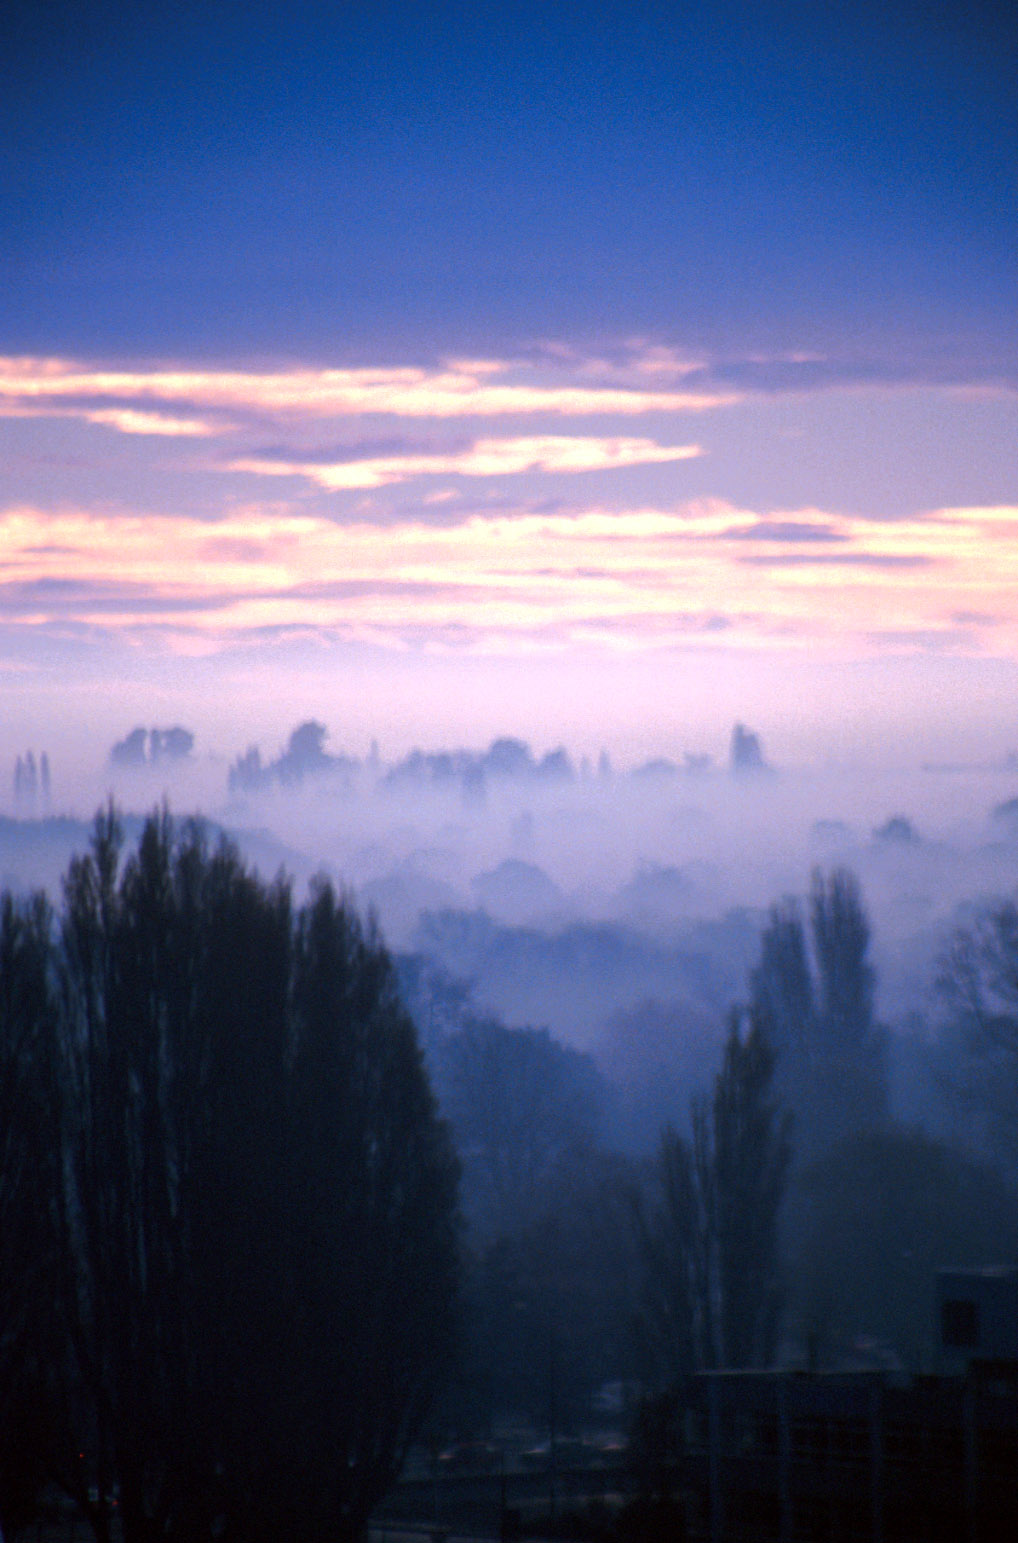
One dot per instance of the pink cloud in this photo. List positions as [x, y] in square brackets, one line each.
[485, 458]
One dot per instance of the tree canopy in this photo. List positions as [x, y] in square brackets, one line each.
[250, 1202]
[710, 1246]
[521, 1106]
[979, 992]
[818, 1015]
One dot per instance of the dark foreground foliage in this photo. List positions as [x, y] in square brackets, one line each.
[228, 1205]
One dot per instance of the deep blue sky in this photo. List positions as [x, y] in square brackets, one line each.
[396, 181]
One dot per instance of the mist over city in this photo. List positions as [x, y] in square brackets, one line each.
[574, 894]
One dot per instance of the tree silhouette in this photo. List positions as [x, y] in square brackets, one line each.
[679, 1317]
[35, 1444]
[711, 1245]
[819, 1020]
[521, 1106]
[749, 1157]
[978, 987]
[254, 1201]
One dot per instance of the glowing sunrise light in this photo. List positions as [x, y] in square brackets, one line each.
[407, 392]
[630, 578]
[486, 458]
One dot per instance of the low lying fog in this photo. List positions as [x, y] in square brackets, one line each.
[567, 892]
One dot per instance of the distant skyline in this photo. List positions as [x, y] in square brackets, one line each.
[590, 375]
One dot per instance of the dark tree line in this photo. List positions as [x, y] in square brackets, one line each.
[152, 747]
[701, 1281]
[805, 1066]
[229, 1206]
[846, 1240]
[793, 1218]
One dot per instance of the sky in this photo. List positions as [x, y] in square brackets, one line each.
[600, 374]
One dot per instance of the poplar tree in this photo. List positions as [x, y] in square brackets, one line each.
[710, 1248]
[818, 1015]
[253, 1202]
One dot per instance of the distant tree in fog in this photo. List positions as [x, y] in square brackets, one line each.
[305, 752]
[556, 766]
[818, 1014]
[746, 752]
[247, 774]
[508, 758]
[173, 744]
[520, 1105]
[679, 1318]
[710, 1246]
[781, 986]
[305, 756]
[898, 830]
[979, 990]
[549, 1307]
[749, 1154]
[654, 1055]
[549, 1289]
[130, 751]
[152, 747]
[841, 937]
[30, 780]
[505, 760]
[438, 1002]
